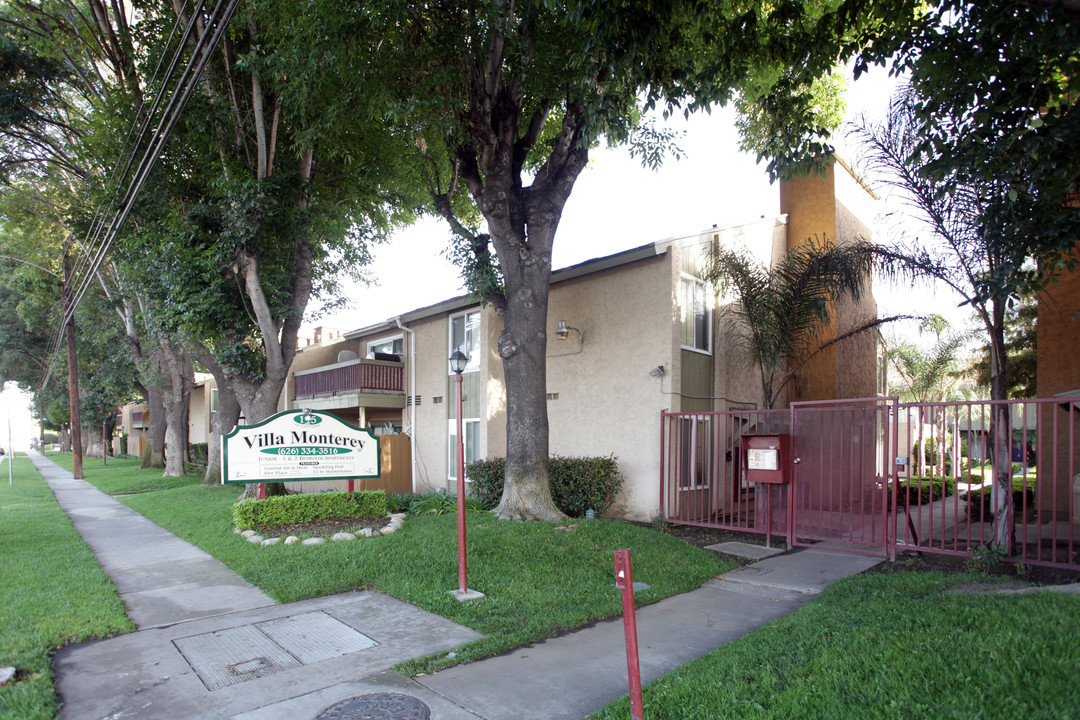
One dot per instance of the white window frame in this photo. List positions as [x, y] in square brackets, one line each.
[687, 280]
[474, 357]
[695, 448]
[213, 401]
[382, 341]
[471, 426]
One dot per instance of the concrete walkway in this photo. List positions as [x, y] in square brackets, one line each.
[212, 646]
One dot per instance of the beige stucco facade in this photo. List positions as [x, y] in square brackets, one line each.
[622, 364]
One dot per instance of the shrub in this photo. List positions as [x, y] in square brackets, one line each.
[931, 455]
[399, 502]
[433, 503]
[486, 480]
[309, 507]
[198, 452]
[924, 490]
[981, 505]
[577, 484]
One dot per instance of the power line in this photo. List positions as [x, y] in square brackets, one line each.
[200, 57]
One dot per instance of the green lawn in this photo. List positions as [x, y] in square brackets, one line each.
[53, 592]
[888, 646]
[538, 581]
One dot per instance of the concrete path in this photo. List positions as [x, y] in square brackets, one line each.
[161, 578]
[211, 646]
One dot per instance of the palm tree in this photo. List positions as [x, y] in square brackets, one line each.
[779, 310]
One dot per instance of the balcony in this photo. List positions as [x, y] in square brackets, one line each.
[353, 383]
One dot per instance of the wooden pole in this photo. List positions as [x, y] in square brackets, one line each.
[73, 378]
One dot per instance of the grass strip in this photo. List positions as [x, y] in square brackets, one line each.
[888, 646]
[538, 581]
[53, 593]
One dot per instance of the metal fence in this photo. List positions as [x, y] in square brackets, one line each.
[877, 476]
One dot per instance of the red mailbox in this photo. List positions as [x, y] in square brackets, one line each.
[767, 458]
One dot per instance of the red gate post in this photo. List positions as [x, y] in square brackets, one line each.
[624, 580]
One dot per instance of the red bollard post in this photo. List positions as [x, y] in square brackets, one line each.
[624, 580]
[260, 493]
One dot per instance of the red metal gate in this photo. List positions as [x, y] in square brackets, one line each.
[874, 475]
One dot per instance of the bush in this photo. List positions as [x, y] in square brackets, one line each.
[399, 502]
[309, 507]
[440, 503]
[198, 452]
[433, 503]
[981, 505]
[930, 454]
[924, 490]
[577, 484]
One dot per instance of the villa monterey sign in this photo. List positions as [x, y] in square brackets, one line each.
[299, 445]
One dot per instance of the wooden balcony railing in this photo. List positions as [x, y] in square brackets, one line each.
[360, 376]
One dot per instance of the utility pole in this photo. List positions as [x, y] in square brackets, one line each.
[73, 377]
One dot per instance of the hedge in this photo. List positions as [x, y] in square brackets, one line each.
[577, 484]
[308, 507]
[924, 490]
[981, 505]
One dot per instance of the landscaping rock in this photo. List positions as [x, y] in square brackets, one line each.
[367, 532]
[338, 537]
[313, 541]
[387, 530]
[400, 517]
[6, 675]
[270, 541]
[292, 540]
[256, 539]
[396, 525]
[248, 533]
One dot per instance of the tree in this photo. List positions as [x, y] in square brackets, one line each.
[927, 375]
[994, 89]
[1021, 348]
[504, 100]
[779, 310]
[976, 249]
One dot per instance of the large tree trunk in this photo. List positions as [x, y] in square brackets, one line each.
[177, 400]
[225, 417]
[154, 453]
[522, 223]
[93, 444]
[523, 349]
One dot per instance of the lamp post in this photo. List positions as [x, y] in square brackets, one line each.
[458, 361]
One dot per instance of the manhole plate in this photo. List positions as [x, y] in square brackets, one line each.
[377, 706]
[228, 657]
[236, 655]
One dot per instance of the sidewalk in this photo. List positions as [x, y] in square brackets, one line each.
[212, 646]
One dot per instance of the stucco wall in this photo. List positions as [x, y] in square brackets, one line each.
[607, 402]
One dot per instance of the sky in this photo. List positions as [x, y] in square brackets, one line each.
[16, 424]
[618, 204]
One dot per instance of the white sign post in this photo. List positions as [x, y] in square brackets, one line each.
[299, 445]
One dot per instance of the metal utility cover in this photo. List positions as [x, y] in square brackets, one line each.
[315, 636]
[229, 657]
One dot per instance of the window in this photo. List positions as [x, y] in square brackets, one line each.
[391, 345]
[471, 426]
[213, 400]
[695, 315]
[465, 336]
[695, 458]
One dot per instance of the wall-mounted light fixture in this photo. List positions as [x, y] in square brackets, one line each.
[657, 371]
[563, 331]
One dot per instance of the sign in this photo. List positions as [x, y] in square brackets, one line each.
[762, 459]
[299, 445]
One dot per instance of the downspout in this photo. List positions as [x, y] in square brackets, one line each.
[412, 405]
